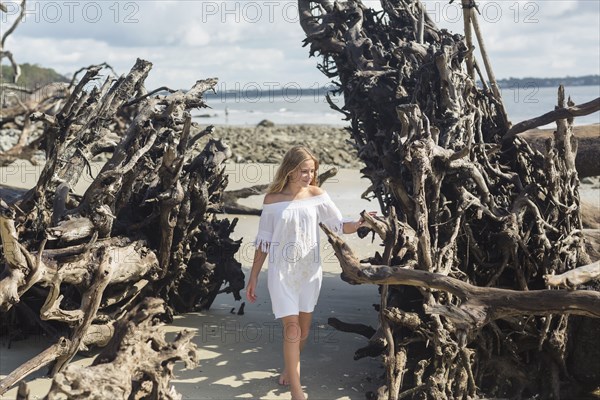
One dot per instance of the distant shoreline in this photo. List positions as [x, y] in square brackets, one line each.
[293, 90]
[34, 75]
[587, 80]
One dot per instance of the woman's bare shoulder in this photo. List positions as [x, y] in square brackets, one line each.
[316, 191]
[278, 197]
[271, 198]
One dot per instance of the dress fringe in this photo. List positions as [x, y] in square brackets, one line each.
[262, 244]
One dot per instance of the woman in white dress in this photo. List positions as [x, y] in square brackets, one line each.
[288, 233]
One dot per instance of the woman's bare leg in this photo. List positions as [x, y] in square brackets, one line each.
[304, 320]
[292, 337]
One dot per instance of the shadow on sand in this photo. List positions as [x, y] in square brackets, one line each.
[241, 355]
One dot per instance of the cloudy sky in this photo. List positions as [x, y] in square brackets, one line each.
[259, 43]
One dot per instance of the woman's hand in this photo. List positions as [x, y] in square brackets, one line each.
[352, 227]
[251, 290]
[362, 220]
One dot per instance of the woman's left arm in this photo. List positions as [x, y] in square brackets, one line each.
[351, 227]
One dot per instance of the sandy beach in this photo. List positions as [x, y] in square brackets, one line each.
[241, 354]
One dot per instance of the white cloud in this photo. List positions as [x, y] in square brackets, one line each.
[261, 41]
[535, 38]
[192, 36]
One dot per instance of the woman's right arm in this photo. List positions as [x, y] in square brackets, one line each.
[259, 259]
[263, 238]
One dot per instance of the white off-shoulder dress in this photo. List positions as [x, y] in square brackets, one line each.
[289, 232]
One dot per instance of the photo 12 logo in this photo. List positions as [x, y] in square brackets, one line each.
[491, 12]
[263, 332]
[250, 11]
[521, 92]
[53, 12]
[270, 92]
[21, 174]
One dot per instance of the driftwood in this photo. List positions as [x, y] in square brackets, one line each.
[588, 148]
[40, 361]
[136, 363]
[5, 34]
[550, 117]
[145, 226]
[19, 103]
[231, 197]
[480, 305]
[575, 277]
[469, 208]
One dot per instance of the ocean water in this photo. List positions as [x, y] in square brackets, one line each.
[522, 103]
[528, 102]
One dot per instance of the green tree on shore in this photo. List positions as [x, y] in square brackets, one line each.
[32, 76]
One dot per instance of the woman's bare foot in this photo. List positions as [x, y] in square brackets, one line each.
[283, 379]
[297, 394]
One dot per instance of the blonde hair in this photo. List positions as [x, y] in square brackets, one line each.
[291, 161]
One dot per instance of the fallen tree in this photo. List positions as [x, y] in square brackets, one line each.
[588, 147]
[145, 225]
[474, 217]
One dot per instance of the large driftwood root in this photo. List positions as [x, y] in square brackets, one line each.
[145, 226]
[466, 202]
